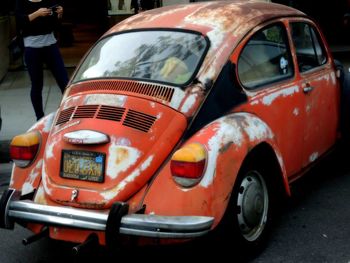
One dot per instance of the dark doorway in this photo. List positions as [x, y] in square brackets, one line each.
[83, 23]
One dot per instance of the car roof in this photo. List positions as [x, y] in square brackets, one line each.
[229, 16]
[225, 23]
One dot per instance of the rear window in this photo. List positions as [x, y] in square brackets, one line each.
[162, 56]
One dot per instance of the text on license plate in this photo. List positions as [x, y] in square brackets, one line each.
[83, 165]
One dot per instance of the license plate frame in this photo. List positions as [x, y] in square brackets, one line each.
[75, 165]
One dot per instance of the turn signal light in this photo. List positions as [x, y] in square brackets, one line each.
[188, 164]
[24, 148]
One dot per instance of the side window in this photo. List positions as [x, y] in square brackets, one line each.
[265, 58]
[309, 49]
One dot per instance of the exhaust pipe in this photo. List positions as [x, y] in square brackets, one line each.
[89, 243]
[43, 233]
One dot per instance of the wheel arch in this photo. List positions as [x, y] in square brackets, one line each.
[265, 157]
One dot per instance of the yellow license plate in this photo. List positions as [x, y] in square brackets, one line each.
[83, 165]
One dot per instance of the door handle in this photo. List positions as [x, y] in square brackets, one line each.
[307, 89]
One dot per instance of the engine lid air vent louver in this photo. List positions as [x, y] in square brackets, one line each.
[85, 111]
[133, 119]
[146, 89]
[65, 115]
[139, 120]
[110, 113]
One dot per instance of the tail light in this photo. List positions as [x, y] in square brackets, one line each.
[24, 148]
[188, 164]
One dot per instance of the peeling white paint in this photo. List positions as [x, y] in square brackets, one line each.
[121, 141]
[313, 157]
[116, 163]
[254, 102]
[152, 104]
[40, 196]
[70, 102]
[45, 122]
[159, 115]
[177, 98]
[209, 74]
[105, 99]
[45, 180]
[190, 100]
[267, 100]
[12, 175]
[225, 133]
[110, 194]
[27, 188]
[48, 121]
[323, 77]
[49, 148]
[232, 131]
[333, 78]
[308, 108]
[296, 111]
[256, 129]
[35, 172]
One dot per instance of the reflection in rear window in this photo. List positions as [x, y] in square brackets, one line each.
[165, 56]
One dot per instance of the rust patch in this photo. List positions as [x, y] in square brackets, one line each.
[225, 147]
[100, 205]
[122, 154]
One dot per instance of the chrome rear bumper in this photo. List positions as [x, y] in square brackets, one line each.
[156, 226]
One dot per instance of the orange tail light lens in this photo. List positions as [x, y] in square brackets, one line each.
[24, 148]
[188, 164]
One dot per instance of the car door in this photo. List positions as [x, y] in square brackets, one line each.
[266, 72]
[319, 86]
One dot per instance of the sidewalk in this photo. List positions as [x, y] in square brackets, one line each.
[16, 109]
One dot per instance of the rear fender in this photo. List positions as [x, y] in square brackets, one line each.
[27, 179]
[228, 141]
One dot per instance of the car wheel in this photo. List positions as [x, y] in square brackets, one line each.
[248, 217]
[252, 206]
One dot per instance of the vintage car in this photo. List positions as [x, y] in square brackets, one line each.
[180, 121]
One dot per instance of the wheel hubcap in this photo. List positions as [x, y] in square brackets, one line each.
[252, 205]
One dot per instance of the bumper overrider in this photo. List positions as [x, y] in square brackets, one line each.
[12, 210]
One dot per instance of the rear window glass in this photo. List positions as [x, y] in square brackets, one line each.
[162, 56]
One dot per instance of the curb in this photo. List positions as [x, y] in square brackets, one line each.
[5, 151]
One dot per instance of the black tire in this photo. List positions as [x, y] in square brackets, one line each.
[248, 217]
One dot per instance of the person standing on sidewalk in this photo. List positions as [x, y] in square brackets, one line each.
[37, 20]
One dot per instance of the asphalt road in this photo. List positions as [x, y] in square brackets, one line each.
[313, 226]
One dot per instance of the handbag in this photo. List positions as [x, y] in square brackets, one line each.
[16, 47]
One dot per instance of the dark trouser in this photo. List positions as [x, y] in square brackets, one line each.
[35, 59]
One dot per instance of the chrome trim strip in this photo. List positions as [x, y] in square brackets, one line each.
[132, 224]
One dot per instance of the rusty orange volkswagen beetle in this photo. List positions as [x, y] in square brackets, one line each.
[180, 120]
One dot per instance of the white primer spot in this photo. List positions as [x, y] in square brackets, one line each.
[313, 157]
[296, 111]
[108, 195]
[116, 164]
[267, 100]
[190, 100]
